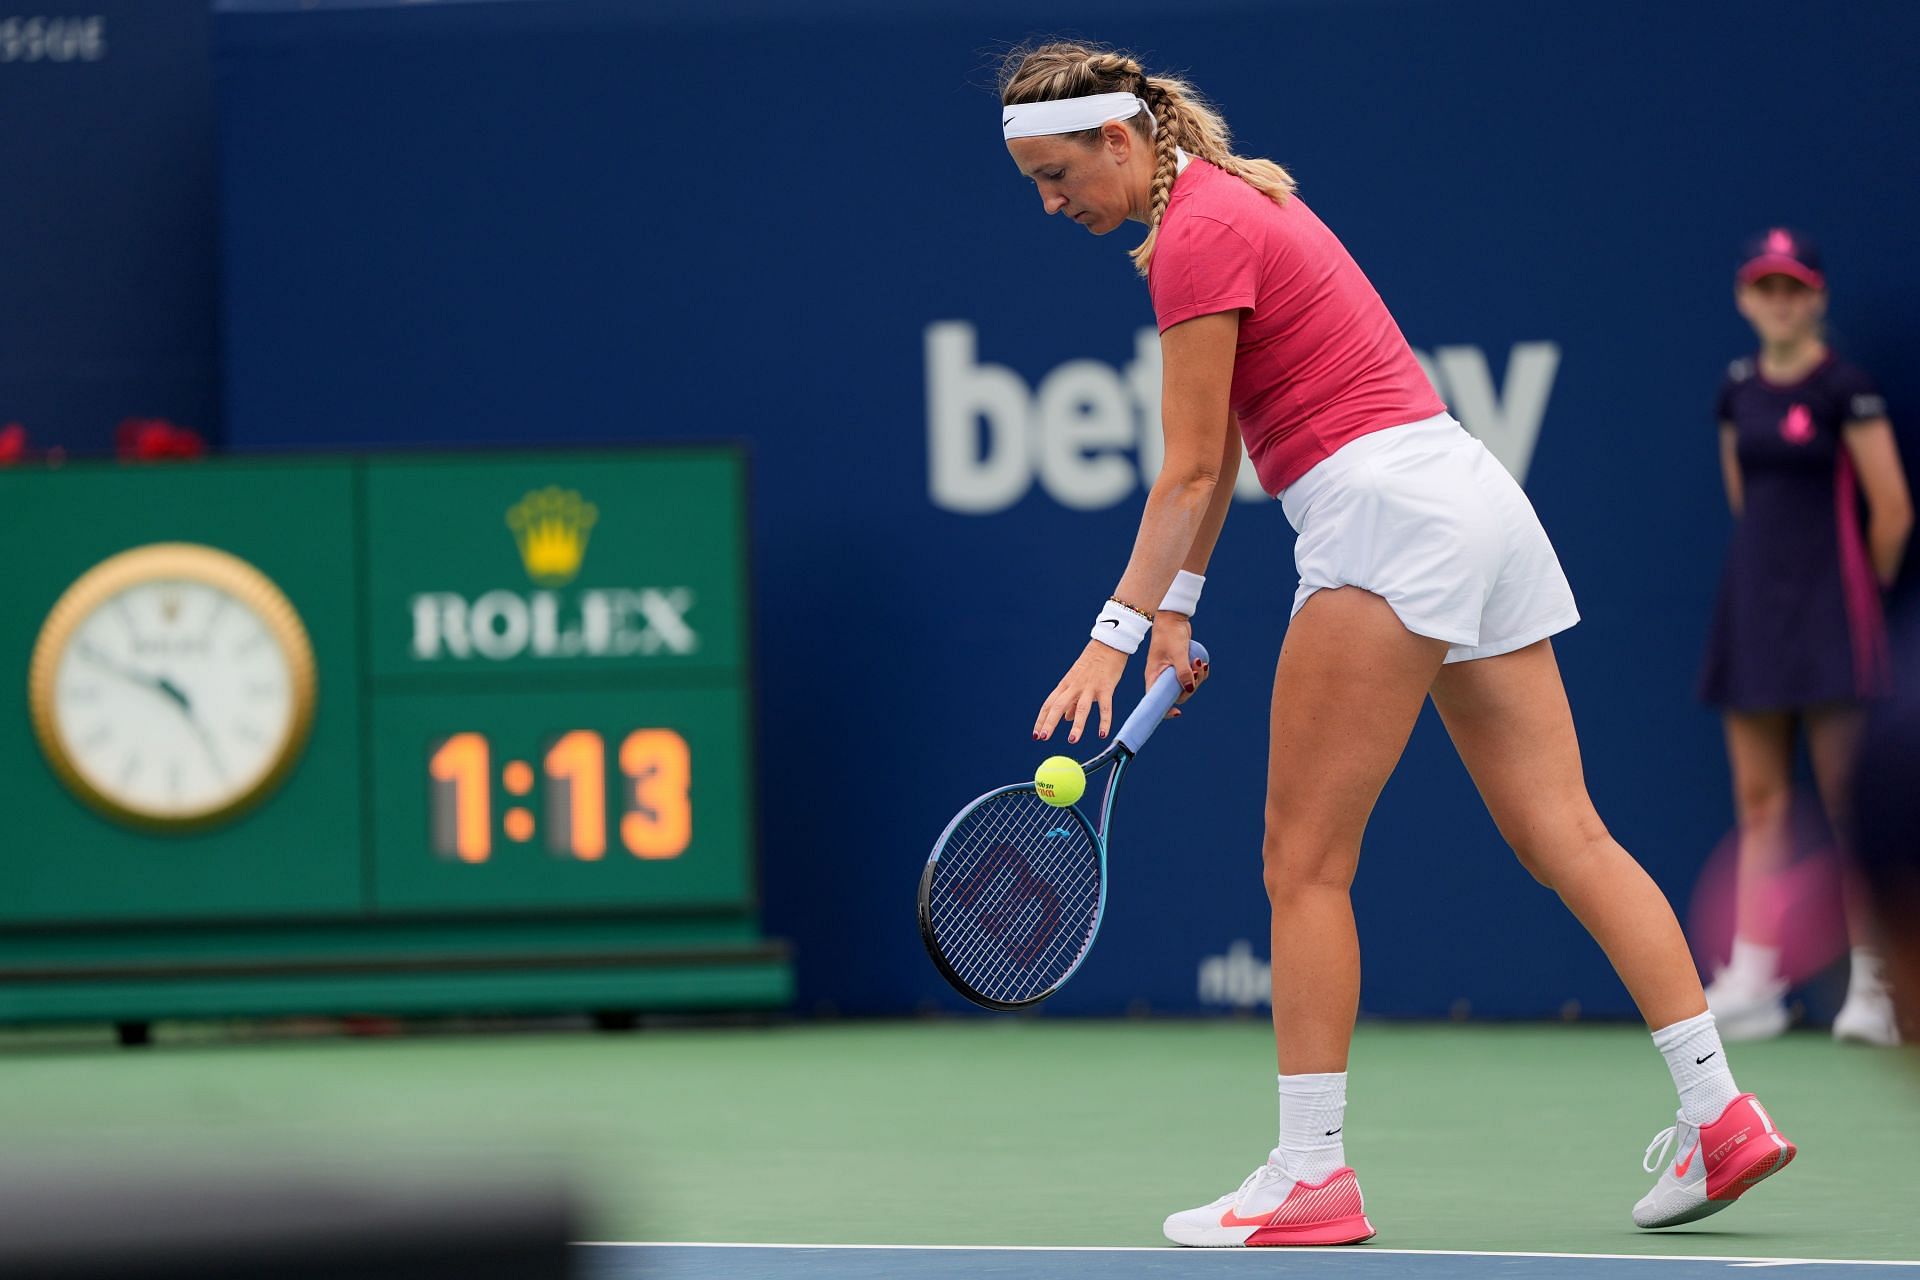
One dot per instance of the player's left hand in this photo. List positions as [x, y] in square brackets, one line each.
[1089, 683]
[1172, 636]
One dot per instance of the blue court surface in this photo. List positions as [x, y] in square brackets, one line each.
[610, 1261]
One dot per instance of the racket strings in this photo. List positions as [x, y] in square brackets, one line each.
[1015, 896]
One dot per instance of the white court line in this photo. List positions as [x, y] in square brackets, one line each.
[1357, 1250]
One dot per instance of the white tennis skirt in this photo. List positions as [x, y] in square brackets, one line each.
[1424, 517]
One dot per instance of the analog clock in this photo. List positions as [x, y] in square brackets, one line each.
[172, 686]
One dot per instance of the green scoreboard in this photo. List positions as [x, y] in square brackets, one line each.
[379, 734]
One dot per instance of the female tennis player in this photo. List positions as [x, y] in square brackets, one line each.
[1423, 572]
[1798, 638]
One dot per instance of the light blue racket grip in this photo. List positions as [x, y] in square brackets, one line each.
[1159, 700]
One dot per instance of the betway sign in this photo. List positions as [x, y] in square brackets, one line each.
[1090, 431]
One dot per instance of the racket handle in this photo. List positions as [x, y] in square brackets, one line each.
[1159, 700]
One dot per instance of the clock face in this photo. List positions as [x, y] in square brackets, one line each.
[175, 694]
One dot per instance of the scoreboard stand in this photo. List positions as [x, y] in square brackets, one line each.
[385, 735]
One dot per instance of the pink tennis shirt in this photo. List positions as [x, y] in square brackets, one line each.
[1320, 361]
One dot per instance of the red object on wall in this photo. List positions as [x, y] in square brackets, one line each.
[148, 439]
[13, 443]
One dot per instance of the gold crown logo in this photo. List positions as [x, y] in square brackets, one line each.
[551, 525]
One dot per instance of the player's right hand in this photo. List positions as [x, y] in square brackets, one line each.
[1172, 636]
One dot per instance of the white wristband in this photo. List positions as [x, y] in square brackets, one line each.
[1184, 594]
[1119, 627]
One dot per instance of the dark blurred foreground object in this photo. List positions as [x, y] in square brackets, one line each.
[1886, 815]
[170, 1225]
[148, 439]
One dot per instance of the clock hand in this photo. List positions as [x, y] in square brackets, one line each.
[206, 742]
[174, 691]
[159, 684]
[166, 689]
[194, 722]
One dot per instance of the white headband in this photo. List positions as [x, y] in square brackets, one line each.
[1068, 115]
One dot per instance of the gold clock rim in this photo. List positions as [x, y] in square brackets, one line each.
[195, 562]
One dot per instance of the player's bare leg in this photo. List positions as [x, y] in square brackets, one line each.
[1510, 722]
[1349, 686]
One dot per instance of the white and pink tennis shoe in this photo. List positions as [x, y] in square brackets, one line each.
[1270, 1208]
[1705, 1168]
[1702, 1168]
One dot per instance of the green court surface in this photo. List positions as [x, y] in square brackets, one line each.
[1005, 1132]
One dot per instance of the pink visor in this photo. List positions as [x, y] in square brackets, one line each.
[1779, 264]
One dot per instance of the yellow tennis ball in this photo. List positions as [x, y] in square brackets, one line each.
[1060, 781]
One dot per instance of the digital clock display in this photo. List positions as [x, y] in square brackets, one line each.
[593, 797]
[649, 785]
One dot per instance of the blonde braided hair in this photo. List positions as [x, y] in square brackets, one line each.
[1181, 119]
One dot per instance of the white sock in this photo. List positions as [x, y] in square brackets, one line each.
[1699, 1066]
[1753, 964]
[1869, 974]
[1312, 1116]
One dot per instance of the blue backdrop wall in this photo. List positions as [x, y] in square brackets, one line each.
[107, 244]
[587, 221]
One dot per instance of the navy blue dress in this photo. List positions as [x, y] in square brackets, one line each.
[1798, 621]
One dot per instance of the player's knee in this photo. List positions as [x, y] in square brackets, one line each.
[1536, 865]
[1295, 865]
[1555, 853]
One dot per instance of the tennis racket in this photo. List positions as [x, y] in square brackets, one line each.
[1014, 889]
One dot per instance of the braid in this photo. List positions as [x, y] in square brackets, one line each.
[1166, 167]
[1110, 67]
[1188, 123]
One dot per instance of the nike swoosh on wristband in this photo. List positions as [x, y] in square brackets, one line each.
[1680, 1169]
[1112, 622]
[1331, 1132]
[1698, 1061]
